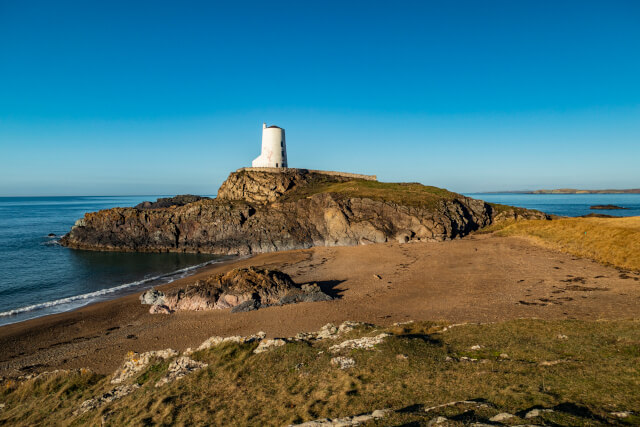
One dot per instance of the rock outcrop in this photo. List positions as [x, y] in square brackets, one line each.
[264, 212]
[242, 289]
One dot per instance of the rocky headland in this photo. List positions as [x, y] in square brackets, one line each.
[264, 211]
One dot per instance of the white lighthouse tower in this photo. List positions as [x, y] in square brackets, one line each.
[274, 148]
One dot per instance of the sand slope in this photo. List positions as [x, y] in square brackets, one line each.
[476, 279]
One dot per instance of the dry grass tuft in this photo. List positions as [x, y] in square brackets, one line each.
[612, 241]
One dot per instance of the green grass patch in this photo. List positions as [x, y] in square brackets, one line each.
[595, 372]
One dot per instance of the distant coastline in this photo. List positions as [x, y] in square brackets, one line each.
[564, 191]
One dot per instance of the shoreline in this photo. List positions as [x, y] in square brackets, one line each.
[125, 288]
[482, 278]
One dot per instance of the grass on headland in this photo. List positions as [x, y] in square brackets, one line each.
[407, 194]
[612, 241]
[519, 365]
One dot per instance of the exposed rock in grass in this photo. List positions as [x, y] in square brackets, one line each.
[501, 417]
[551, 362]
[343, 362]
[329, 331]
[455, 403]
[108, 397]
[215, 340]
[242, 289]
[624, 414]
[364, 343]
[136, 362]
[536, 412]
[354, 420]
[179, 368]
[266, 345]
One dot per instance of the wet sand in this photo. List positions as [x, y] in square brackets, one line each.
[477, 279]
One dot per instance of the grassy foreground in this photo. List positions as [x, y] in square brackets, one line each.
[612, 241]
[585, 372]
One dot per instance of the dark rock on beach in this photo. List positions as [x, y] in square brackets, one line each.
[243, 289]
[259, 211]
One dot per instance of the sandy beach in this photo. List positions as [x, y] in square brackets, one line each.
[481, 278]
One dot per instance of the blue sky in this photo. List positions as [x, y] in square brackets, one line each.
[100, 98]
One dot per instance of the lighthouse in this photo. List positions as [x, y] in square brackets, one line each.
[274, 148]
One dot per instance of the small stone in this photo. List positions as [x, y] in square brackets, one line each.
[438, 420]
[476, 347]
[377, 276]
[562, 337]
[501, 417]
[504, 356]
[402, 356]
[159, 309]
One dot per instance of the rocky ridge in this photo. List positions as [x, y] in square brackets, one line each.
[258, 211]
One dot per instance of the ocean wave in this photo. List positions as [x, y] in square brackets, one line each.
[68, 300]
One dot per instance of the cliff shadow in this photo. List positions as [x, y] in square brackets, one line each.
[329, 287]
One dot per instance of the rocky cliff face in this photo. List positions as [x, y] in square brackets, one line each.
[264, 212]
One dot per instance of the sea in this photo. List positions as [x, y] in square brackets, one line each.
[566, 204]
[38, 276]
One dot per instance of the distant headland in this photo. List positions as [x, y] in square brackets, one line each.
[575, 191]
[565, 191]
